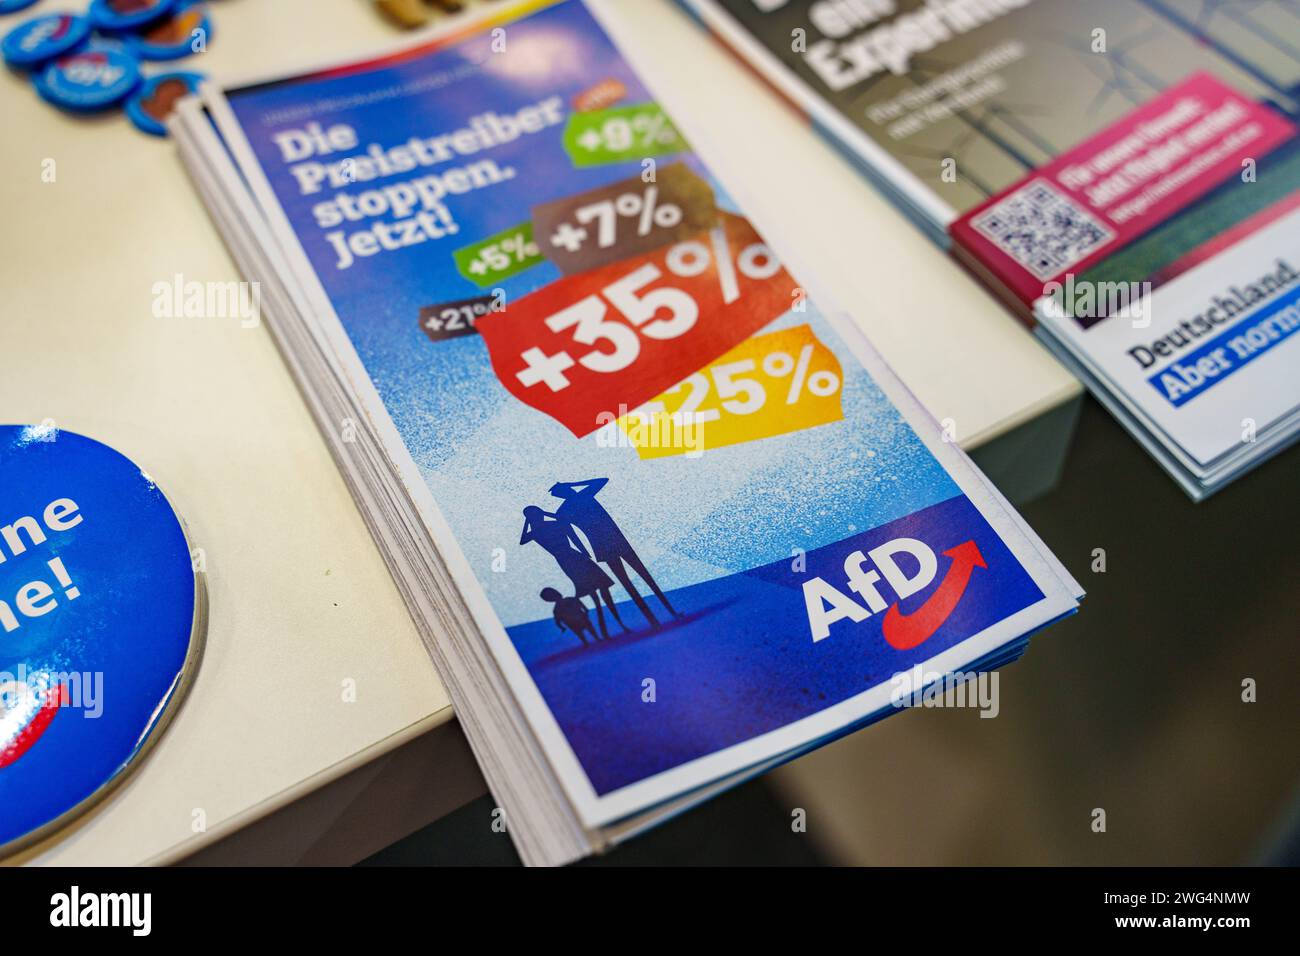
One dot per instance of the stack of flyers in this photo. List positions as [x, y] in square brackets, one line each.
[1124, 173]
[1187, 333]
[662, 517]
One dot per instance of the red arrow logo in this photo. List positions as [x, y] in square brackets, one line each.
[22, 738]
[905, 631]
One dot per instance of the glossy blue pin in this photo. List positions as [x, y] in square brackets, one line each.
[152, 103]
[187, 30]
[42, 38]
[13, 6]
[102, 619]
[94, 78]
[127, 14]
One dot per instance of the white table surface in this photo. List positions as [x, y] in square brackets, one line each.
[300, 601]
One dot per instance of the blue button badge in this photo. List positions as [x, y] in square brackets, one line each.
[13, 6]
[101, 624]
[90, 79]
[187, 30]
[152, 103]
[127, 14]
[34, 41]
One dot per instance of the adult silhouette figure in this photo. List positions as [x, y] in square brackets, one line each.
[559, 541]
[608, 543]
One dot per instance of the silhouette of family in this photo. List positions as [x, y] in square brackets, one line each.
[557, 533]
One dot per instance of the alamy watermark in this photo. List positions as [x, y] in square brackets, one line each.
[647, 427]
[919, 687]
[25, 689]
[179, 298]
[1083, 299]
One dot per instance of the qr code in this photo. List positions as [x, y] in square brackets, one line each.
[1043, 230]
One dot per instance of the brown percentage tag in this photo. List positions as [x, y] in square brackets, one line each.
[451, 320]
[624, 219]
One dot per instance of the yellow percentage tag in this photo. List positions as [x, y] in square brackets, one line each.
[767, 385]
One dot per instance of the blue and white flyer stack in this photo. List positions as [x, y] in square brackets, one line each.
[1203, 370]
[663, 518]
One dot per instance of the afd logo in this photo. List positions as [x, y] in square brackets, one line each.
[866, 573]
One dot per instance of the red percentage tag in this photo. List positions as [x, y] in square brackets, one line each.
[588, 348]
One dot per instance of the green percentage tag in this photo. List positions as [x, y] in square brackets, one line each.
[498, 257]
[620, 133]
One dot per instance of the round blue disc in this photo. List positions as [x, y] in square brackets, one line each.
[101, 624]
[41, 38]
[153, 101]
[90, 79]
[13, 6]
[172, 37]
[127, 14]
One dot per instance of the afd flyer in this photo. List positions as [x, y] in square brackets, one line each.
[694, 528]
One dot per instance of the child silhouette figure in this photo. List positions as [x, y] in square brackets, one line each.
[570, 614]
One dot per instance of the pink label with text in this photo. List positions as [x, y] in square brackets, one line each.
[1108, 191]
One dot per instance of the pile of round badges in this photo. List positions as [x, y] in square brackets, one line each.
[85, 63]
